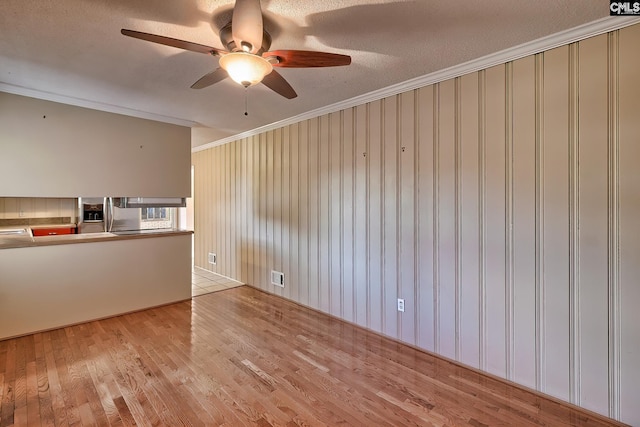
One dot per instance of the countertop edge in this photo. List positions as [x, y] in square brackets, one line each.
[70, 239]
[46, 226]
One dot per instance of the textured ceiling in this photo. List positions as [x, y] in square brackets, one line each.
[72, 51]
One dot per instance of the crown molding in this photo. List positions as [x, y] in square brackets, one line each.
[562, 38]
[93, 105]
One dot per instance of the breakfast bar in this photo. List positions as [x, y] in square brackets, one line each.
[53, 281]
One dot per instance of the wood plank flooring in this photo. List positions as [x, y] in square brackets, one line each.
[241, 357]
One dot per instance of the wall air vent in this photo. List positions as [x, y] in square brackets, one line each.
[277, 278]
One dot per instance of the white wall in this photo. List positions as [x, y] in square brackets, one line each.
[47, 287]
[55, 150]
[501, 205]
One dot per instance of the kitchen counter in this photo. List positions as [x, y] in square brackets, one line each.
[11, 239]
[53, 281]
[41, 226]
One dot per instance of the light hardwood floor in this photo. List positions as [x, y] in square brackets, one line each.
[242, 357]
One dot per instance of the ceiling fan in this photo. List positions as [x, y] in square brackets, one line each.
[247, 59]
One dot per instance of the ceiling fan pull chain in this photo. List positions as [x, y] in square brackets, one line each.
[246, 113]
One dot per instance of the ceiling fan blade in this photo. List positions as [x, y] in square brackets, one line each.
[278, 84]
[168, 41]
[210, 78]
[246, 25]
[307, 58]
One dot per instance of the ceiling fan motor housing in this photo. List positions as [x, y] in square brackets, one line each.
[226, 37]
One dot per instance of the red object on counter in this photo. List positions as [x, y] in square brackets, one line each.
[53, 231]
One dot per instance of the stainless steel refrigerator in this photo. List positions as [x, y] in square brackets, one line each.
[118, 214]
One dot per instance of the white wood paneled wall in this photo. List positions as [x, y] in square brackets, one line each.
[501, 205]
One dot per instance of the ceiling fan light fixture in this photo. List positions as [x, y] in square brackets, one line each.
[245, 68]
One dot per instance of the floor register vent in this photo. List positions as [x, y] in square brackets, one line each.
[277, 278]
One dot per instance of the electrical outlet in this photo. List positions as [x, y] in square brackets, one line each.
[401, 304]
[21, 213]
[212, 258]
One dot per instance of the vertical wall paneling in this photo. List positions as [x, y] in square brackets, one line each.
[574, 194]
[197, 216]
[240, 209]
[502, 206]
[265, 226]
[468, 201]
[554, 245]
[257, 214]
[376, 200]
[628, 347]
[482, 243]
[236, 206]
[304, 207]
[216, 160]
[249, 179]
[315, 236]
[539, 283]
[213, 185]
[243, 229]
[593, 224]
[225, 233]
[324, 208]
[259, 190]
[347, 198]
[263, 196]
[361, 217]
[457, 194]
[524, 221]
[336, 176]
[231, 218]
[614, 230]
[509, 232]
[406, 218]
[446, 201]
[225, 220]
[197, 251]
[274, 156]
[221, 218]
[435, 166]
[294, 231]
[220, 212]
[207, 188]
[390, 215]
[424, 146]
[495, 229]
[201, 171]
[255, 218]
[255, 206]
[280, 199]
